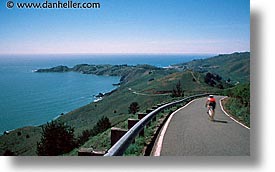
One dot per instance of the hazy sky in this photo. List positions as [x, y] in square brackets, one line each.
[128, 26]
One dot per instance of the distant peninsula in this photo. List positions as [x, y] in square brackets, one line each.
[126, 72]
[148, 85]
[235, 66]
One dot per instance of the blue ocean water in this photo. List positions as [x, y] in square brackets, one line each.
[28, 98]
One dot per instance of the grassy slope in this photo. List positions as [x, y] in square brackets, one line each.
[21, 145]
[235, 66]
[114, 106]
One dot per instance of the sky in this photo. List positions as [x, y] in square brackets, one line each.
[133, 26]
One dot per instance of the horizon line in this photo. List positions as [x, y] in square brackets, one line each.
[59, 54]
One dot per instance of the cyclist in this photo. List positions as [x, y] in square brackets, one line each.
[211, 102]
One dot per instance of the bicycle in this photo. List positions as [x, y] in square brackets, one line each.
[211, 112]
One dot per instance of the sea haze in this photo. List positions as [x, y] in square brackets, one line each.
[29, 98]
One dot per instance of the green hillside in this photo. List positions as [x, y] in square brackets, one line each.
[147, 85]
[143, 89]
[235, 67]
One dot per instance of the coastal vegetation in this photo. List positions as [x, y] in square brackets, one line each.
[238, 103]
[133, 108]
[233, 67]
[141, 86]
[177, 91]
[57, 139]
[102, 125]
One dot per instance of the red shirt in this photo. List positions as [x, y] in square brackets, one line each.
[212, 99]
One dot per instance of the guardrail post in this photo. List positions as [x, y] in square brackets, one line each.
[149, 110]
[116, 134]
[99, 153]
[159, 105]
[85, 152]
[132, 122]
[90, 152]
[141, 115]
[154, 107]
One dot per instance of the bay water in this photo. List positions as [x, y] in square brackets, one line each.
[29, 99]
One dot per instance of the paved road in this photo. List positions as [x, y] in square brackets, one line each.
[191, 133]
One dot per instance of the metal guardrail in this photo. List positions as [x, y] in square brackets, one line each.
[119, 148]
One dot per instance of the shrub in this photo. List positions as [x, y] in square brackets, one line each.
[102, 125]
[9, 153]
[84, 137]
[239, 102]
[57, 139]
[133, 108]
[241, 92]
[238, 110]
[178, 91]
[214, 80]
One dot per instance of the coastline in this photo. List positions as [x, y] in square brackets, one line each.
[143, 79]
[96, 99]
[118, 71]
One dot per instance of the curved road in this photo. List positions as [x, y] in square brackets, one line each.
[191, 133]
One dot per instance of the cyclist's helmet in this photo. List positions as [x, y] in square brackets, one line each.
[211, 96]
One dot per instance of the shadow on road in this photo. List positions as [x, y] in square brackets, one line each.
[220, 121]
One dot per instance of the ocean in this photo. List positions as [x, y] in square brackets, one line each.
[30, 99]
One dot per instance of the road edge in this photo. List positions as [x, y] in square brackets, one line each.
[158, 145]
[230, 115]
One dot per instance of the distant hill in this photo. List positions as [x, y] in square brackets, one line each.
[145, 84]
[235, 67]
[126, 72]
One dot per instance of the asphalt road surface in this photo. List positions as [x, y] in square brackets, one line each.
[191, 133]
